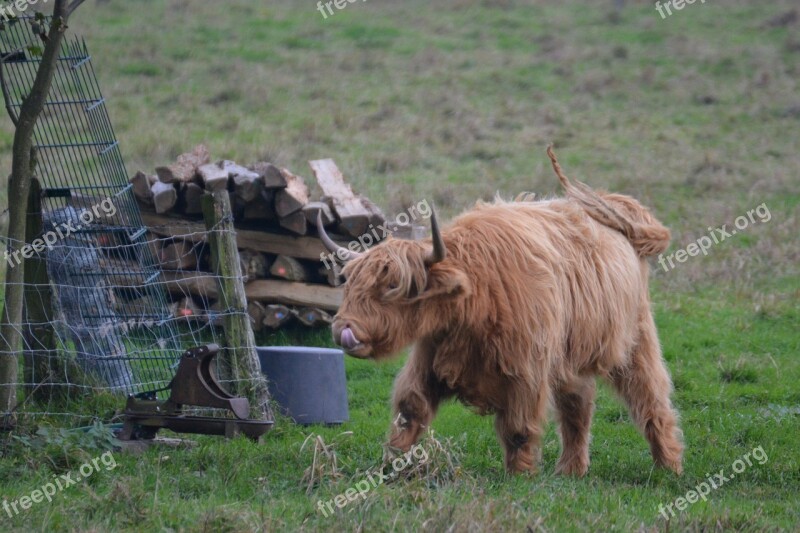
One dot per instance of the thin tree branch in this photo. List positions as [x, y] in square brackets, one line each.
[4, 88]
[72, 7]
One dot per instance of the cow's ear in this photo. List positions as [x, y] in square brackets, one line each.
[446, 281]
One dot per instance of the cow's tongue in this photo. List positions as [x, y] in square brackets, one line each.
[348, 338]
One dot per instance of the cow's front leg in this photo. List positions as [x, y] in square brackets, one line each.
[416, 398]
[519, 426]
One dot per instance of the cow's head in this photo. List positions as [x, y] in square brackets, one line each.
[395, 293]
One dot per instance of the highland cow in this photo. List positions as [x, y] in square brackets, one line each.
[513, 306]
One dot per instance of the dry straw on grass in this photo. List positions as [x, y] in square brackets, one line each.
[442, 466]
[324, 465]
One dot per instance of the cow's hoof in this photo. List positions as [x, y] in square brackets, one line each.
[572, 468]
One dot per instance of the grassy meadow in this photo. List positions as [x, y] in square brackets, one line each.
[697, 115]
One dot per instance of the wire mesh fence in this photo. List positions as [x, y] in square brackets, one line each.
[101, 319]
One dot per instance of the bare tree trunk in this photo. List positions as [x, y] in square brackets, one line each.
[18, 189]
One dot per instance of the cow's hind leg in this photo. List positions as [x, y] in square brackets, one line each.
[645, 386]
[519, 426]
[574, 403]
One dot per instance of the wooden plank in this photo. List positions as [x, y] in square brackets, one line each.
[204, 285]
[185, 168]
[294, 293]
[273, 243]
[353, 216]
[201, 284]
[293, 197]
[271, 176]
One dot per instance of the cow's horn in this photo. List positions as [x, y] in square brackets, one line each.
[339, 251]
[439, 251]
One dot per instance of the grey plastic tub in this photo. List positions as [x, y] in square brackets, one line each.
[309, 384]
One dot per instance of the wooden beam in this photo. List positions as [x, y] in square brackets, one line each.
[353, 216]
[294, 293]
[273, 243]
[204, 285]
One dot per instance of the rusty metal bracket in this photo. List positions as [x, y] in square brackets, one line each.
[194, 384]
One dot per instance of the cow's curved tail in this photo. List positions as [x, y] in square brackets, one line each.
[622, 213]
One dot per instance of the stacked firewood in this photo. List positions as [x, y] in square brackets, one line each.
[289, 275]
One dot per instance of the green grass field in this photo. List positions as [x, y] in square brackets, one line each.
[697, 115]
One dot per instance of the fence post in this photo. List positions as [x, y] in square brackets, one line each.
[240, 349]
[41, 360]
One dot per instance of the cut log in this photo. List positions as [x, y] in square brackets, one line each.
[295, 222]
[294, 293]
[353, 216]
[313, 317]
[312, 208]
[257, 313]
[185, 168]
[276, 315]
[332, 274]
[164, 196]
[261, 207]
[141, 188]
[237, 206]
[376, 216]
[288, 268]
[271, 176]
[214, 177]
[293, 197]
[178, 255]
[193, 199]
[246, 184]
[412, 232]
[255, 265]
[186, 308]
[299, 247]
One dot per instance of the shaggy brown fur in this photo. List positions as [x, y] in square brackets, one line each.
[533, 300]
